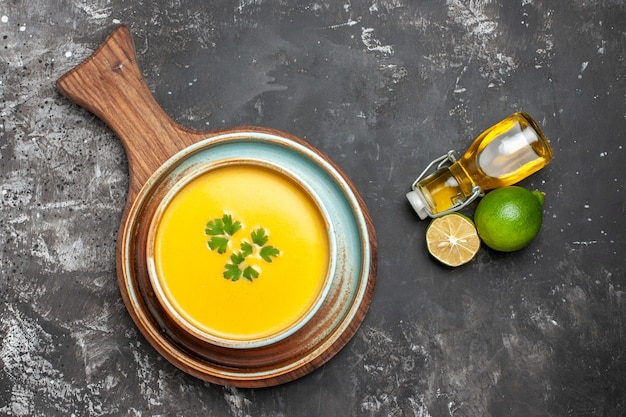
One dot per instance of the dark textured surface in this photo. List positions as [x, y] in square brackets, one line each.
[382, 87]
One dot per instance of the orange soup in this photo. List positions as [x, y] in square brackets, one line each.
[241, 252]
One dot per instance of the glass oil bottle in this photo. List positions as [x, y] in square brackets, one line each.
[502, 155]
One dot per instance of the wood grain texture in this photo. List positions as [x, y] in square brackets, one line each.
[109, 84]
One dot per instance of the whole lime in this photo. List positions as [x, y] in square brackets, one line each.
[508, 218]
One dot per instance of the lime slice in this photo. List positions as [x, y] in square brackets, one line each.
[452, 239]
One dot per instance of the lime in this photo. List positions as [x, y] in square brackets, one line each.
[509, 218]
[452, 239]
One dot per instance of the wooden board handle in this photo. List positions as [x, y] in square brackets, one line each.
[109, 83]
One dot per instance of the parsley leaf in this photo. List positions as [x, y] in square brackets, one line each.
[250, 273]
[246, 249]
[267, 252]
[218, 243]
[232, 272]
[237, 258]
[259, 237]
[230, 227]
[214, 227]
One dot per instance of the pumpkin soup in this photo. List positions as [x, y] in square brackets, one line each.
[241, 252]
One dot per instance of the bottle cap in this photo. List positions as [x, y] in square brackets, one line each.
[417, 203]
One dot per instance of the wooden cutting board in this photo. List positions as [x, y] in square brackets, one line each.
[109, 83]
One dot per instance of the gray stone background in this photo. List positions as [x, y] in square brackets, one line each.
[382, 87]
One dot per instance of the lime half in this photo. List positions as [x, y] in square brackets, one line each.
[452, 239]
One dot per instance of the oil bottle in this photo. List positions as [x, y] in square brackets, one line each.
[502, 155]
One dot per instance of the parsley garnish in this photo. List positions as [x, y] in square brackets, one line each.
[269, 252]
[220, 231]
[240, 261]
[259, 237]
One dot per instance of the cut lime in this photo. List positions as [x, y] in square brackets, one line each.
[452, 239]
